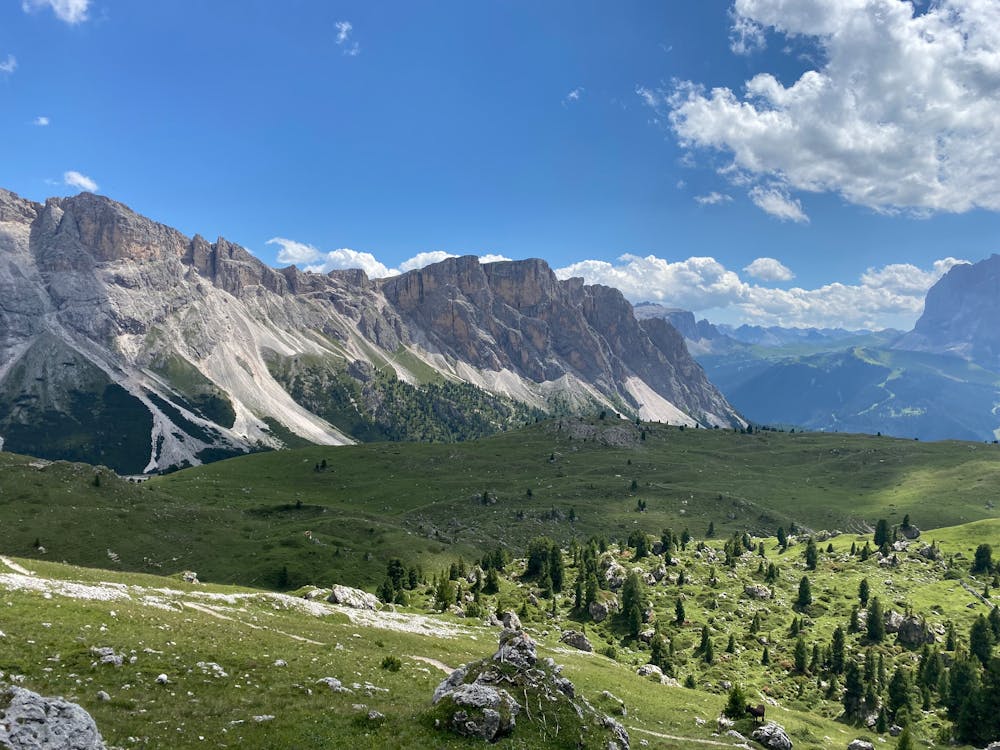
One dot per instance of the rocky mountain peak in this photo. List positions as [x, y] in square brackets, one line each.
[960, 315]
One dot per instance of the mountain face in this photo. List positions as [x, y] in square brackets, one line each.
[124, 342]
[961, 316]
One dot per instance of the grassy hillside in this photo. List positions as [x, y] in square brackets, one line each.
[220, 648]
[246, 520]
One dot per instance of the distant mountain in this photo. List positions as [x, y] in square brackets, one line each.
[962, 315]
[904, 394]
[126, 343]
[941, 381]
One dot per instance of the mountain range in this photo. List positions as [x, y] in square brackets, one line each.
[939, 381]
[127, 343]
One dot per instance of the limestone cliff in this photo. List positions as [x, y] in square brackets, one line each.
[125, 342]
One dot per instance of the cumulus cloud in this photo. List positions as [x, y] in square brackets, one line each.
[73, 178]
[890, 296]
[345, 258]
[292, 252]
[41, 121]
[70, 11]
[776, 201]
[9, 65]
[344, 39]
[424, 259]
[573, 96]
[712, 199]
[769, 269]
[902, 114]
[313, 260]
[746, 35]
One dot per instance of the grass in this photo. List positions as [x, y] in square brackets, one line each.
[170, 627]
[243, 520]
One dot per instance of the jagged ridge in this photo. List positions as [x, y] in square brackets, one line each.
[181, 340]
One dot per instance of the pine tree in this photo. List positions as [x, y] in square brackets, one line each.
[679, 617]
[981, 640]
[854, 691]
[881, 532]
[864, 591]
[765, 657]
[578, 594]
[837, 651]
[556, 567]
[812, 555]
[782, 538]
[899, 692]
[736, 705]
[800, 655]
[876, 625]
[731, 644]
[805, 593]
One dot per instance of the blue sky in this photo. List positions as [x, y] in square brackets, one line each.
[386, 134]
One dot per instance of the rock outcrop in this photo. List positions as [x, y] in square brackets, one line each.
[29, 721]
[772, 736]
[353, 598]
[490, 698]
[159, 350]
[959, 315]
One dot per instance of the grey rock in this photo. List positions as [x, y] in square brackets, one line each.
[772, 736]
[619, 736]
[650, 671]
[913, 632]
[615, 576]
[29, 721]
[353, 598]
[577, 640]
[757, 591]
[517, 648]
[860, 745]
[510, 620]
[893, 621]
[452, 681]
[599, 611]
[481, 711]
[103, 696]
[92, 294]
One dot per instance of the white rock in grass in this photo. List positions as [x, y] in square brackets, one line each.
[30, 722]
[162, 679]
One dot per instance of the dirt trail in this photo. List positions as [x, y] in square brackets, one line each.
[211, 611]
[681, 739]
[433, 662]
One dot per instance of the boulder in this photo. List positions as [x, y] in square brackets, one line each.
[930, 552]
[599, 611]
[773, 736]
[577, 640]
[615, 576]
[893, 621]
[913, 632]
[619, 737]
[861, 745]
[910, 532]
[646, 636]
[516, 648]
[30, 722]
[650, 671]
[481, 711]
[510, 620]
[757, 591]
[353, 598]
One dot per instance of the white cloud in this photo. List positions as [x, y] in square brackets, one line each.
[292, 252]
[712, 199]
[70, 11]
[424, 259]
[492, 258]
[890, 296]
[349, 47]
[769, 269]
[901, 114]
[9, 65]
[775, 201]
[649, 97]
[41, 121]
[81, 181]
[345, 258]
[746, 36]
[574, 95]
